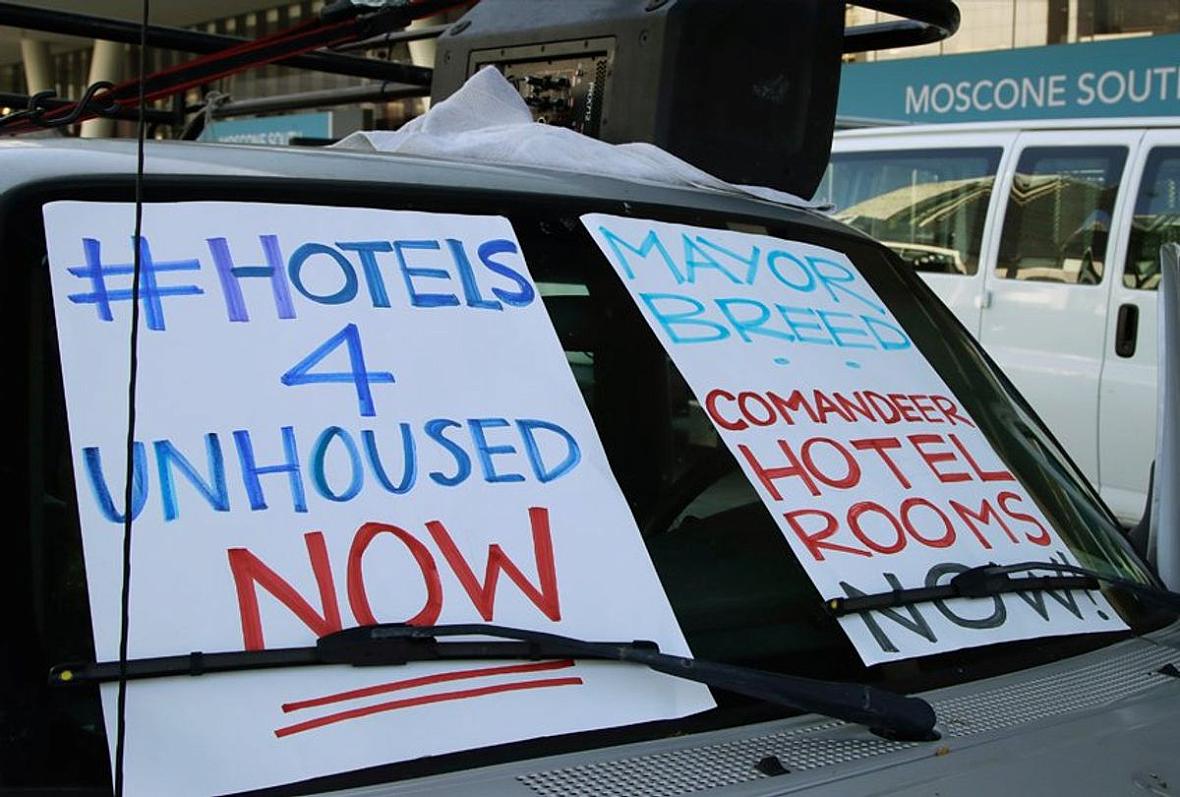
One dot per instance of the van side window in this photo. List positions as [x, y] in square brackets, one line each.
[929, 206]
[1059, 212]
[1157, 218]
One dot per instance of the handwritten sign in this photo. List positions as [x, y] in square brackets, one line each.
[874, 472]
[345, 416]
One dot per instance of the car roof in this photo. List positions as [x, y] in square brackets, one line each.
[25, 161]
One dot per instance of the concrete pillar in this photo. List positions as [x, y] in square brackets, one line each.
[422, 51]
[106, 63]
[37, 63]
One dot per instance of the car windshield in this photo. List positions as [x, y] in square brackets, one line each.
[738, 592]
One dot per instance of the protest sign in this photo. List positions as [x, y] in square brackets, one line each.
[344, 416]
[874, 472]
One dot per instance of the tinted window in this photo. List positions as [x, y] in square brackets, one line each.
[1058, 218]
[929, 206]
[1157, 218]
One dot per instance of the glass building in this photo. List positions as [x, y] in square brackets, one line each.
[1007, 24]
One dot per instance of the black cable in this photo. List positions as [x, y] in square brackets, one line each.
[132, 379]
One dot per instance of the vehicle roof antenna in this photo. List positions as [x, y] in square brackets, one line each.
[133, 374]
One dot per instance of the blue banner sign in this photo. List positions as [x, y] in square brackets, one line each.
[274, 130]
[1127, 77]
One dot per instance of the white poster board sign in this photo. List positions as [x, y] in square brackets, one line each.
[345, 416]
[874, 472]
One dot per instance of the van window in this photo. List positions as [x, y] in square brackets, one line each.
[1058, 217]
[929, 206]
[1157, 218]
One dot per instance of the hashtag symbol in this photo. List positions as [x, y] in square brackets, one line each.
[150, 291]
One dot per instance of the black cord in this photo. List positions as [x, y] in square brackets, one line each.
[133, 374]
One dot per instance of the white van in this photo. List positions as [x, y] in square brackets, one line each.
[1042, 238]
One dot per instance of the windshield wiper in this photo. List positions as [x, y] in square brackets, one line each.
[885, 713]
[988, 580]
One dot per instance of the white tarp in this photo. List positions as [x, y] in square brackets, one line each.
[345, 415]
[487, 121]
[874, 472]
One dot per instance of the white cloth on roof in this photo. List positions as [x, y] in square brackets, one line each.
[487, 121]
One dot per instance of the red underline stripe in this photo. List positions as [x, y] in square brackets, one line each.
[425, 680]
[408, 702]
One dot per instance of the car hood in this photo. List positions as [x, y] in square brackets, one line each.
[1105, 722]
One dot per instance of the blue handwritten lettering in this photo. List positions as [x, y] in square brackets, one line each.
[229, 275]
[669, 320]
[434, 430]
[528, 428]
[214, 491]
[150, 292]
[367, 250]
[485, 452]
[409, 457]
[409, 272]
[251, 470]
[752, 325]
[319, 476]
[524, 294]
[651, 241]
[102, 494]
[301, 255]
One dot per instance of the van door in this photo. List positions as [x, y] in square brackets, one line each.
[1127, 416]
[1044, 317]
[928, 198]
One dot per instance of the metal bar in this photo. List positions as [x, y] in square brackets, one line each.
[924, 22]
[316, 99]
[191, 41]
[193, 664]
[909, 718]
[407, 35]
[907, 597]
[21, 101]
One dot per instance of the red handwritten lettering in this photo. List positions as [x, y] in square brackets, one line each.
[248, 570]
[815, 541]
[483, 596]
[932, 458]
[358, 598]
[768, 476]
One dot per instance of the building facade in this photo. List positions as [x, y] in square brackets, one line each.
[1024, 59]
[989, 25]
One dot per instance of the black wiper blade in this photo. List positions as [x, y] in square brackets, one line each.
[885, 713]
[988, 580]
